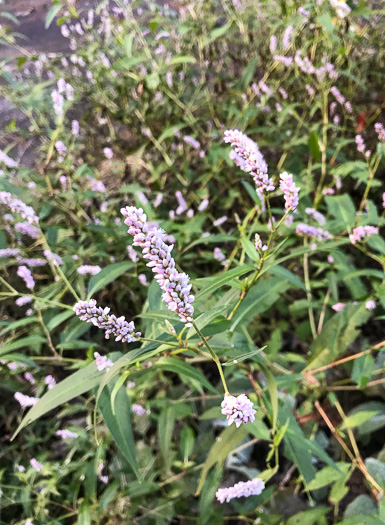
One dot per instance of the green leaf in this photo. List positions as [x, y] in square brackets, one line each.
[313, 144]
[165, 430]
[327, 23]
[243, 357]
[361, 506]
[72, 386]
[222, 447]
[377, 420]
[109, 274]
[342, 208]
[284, 273]
[33, 340]
[337, 334]
[210, 284]
[52, 13]
[260, 298]
[216, 33]
[173, 364]
[357, 419]
[329, 475]
[17, 324]
[308, 517]
[187, 440]
[119, 423]
[182, 59]
[58, 319]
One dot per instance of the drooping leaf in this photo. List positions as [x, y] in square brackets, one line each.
[118, 421]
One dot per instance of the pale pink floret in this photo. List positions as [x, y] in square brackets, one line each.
[238, 409]
[36, 465]
[26, 275]
[138, 409]
[361, 232]
[370, 305]
[66, 434]
[243, 489]
[102, 362]
[175, 285]
[25, 401]
[338, 307]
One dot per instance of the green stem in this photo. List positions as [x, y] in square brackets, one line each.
[214, 356]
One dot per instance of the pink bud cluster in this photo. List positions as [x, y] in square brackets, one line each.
[66, 434]
[380, 130]
[316, 215]
[118, 327]
[361, 232]
[174, 284]
[313, 232]
[25, 228]
[238, 409]
[25, 401]
[243, 489]
[102, 362]
[290, 190]
[88, 269]
[18, 206]
[9, 252]
[10, 163]
[248, 157]
[26, 275]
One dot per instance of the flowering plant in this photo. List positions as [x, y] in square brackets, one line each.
[192, 265]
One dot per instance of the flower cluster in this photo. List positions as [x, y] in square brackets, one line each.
[243, 489]
[31, 262]
[290, 190]
[370, 305]
[380, 130]
[361, 232]
[10, 163]
[258, 243]
[55, 259]
[26, 275]
[174, 284]
[247, 156]
[118, 327]
[36, 465]
[50, 382]
[341, 7]
[9, 252]
[102, 362]
[25, 401]
[18, 206]
[238, 409]
[88, 269]
[66, 434]
[313, 232]
[21, 301]
[338, 307]
[316, 215]
[138, 410]
[25, 228]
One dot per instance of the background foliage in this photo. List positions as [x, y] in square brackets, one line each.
[159, 85]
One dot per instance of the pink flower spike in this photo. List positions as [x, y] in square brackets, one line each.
[175, 285]
[238, 409]
[241, 490]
